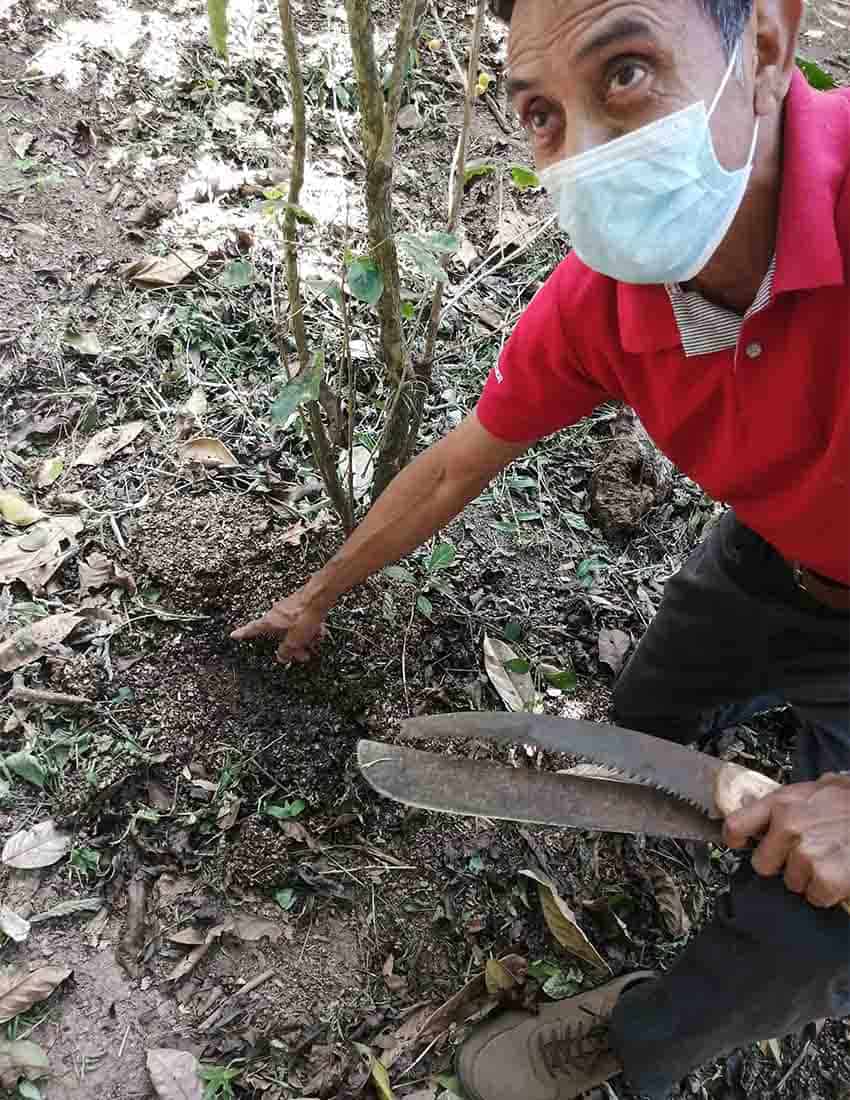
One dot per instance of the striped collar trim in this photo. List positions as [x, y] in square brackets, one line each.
[706, 328]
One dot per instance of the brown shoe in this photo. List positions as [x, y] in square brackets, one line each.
[556, 1055]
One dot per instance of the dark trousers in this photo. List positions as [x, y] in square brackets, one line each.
[735, 635]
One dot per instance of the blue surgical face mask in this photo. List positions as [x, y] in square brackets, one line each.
[652, 206]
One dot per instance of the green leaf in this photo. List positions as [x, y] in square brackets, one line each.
[442, 556]
[540, 970]
[562, 678]
[85, 859]
[513, 630]
[217, 13]
[524, 177]
[26, 767]
[399, 573]
[441, 242]
[561, 985]
[476, 168]
[288, 809]
[301, 215]
[425, 606]
[327, 287]
[574, 520]
[304, 387]
[408, 310]
[518, 665]
[285, 898]
[238, 273]
[422, 254]
[816, 75]
[28, 1091]
[365, 280]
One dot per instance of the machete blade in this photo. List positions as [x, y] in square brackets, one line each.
[675, 769]
[482, 788]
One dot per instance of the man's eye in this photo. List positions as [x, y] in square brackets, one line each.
[538, 118]
[626, 78]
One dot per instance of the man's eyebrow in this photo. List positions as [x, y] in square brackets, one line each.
[517, 84]
[623, 28]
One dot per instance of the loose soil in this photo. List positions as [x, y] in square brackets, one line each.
[354, 915]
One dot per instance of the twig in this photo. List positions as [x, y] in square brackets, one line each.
[249, 987]
[795, 1065]
[52, 698]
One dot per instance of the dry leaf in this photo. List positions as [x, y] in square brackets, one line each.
[48, 472]
[21, 1058]
[152, 271]
[469, 1000]
[33, 558]
[228, 814]
[21, 144]
[208, 452]
[33, 641]
[18, 511]
[174, 1075]
[613, 647]
[108, 442]
[98, 571]
[498, 978]
[296, 831]
[516, 689]
[563, 924]
[188, 937]
[14, 926]
[187, 965]
[514, 229]
[669, 902]
[129, 950]
[84, 343]
[40, 846]
[250, 928]
[20, 990]
[771, 1046]
[381, 1080]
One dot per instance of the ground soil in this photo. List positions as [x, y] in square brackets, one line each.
[332, 927]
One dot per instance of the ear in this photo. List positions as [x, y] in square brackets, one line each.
[775, 26]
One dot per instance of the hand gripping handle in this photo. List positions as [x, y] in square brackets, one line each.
[737, 787]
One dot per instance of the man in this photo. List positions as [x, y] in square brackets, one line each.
[706, 191]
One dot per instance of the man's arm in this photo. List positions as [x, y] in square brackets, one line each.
[420, 500]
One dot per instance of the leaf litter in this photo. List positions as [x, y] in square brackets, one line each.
[20, 990]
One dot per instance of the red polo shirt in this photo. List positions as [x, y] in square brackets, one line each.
[764, 427]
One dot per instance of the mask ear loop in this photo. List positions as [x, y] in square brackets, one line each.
[736, 62]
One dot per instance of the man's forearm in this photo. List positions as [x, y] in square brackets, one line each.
[420, 500]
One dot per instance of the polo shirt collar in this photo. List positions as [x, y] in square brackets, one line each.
[815, 145]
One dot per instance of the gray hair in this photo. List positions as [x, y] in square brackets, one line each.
[730, 17]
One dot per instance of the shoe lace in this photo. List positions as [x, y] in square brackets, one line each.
[573, 1046]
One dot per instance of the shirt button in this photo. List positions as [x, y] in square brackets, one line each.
[754, 350]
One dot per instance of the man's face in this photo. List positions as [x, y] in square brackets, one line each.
[582, 72]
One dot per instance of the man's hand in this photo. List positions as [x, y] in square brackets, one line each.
[806, 829]
[297, 621]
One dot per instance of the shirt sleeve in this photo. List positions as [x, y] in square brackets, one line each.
[537, 386]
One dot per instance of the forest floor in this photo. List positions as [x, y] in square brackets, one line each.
[231, 888]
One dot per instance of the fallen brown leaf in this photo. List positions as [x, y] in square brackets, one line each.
[98, 571]
[21, 990]
[159, 271]
[132, 942]
[208, 452]
[470, 999]
[39, 846]
[33, 641]
[33, 558]
[174, 1075]
[562, 922]
[20, 1058]
[108, 442]
[613, 647]
[669, 902]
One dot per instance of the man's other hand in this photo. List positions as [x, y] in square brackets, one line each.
[805, 829]
[296, 621]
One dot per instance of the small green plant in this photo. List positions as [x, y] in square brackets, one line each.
[218, 1082]
[428, 580]
[287, 810]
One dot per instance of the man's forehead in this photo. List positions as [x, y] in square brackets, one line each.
[582, 27]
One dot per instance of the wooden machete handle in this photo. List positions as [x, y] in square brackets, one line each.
[736, 787]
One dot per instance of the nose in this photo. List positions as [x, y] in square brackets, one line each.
[579, 136]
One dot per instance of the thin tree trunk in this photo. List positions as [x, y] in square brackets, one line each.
[323, 453]
[378, 123]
